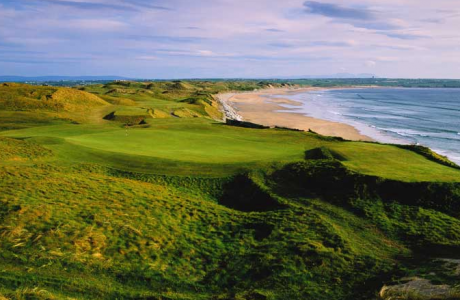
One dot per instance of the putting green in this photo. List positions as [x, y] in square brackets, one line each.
[202, 145]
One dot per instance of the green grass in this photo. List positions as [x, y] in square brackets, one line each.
[78, 220]
[390, 162]
[15, 150]
[190, 208]
[28, 98]
[199, 144]
[200, 141]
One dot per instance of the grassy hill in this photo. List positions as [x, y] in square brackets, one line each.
[21, 97]
[119, 197]
[23, 106]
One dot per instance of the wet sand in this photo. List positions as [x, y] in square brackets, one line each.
[257, 107]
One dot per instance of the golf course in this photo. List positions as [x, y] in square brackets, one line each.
[141, 190]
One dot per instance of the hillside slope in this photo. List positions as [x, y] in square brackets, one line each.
[22, 97]
[191, 208]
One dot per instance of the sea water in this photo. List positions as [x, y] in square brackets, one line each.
[428, 117]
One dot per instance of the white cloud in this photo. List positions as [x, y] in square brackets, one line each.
[387, 58]
[232, 36]
[205, 53]
[370, 63]
[96, 24]
[147, 57]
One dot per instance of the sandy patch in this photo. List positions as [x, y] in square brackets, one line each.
[255, 107]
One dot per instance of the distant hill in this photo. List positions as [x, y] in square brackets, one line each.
[330, 76]
[113, 78]
[58, 78]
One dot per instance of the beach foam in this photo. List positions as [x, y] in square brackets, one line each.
[429, 117]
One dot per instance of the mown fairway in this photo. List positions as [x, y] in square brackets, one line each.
[198, 142]
[140, 192]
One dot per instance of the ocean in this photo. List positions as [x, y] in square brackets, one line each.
[428, 117]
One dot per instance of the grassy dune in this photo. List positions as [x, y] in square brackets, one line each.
[185, 207]
[23, 97]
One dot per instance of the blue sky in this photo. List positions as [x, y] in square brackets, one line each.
[230, 38]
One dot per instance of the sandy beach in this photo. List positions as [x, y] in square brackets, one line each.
[257, 107]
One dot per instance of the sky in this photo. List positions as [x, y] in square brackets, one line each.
[230, 38]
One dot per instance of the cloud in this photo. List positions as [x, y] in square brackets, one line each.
[398, 47]
[87, 5]
[96, 24]
[332, 44]
[33, 41]
[147, 57]
[337, 11]
[377, 25]
[313, 44]
[224, 37]
[433, 20]
[387, 59]
[273, 30]
[38, 61]
[16, 51]
[206, 53]
[361, 17]
[4, 44]
[370, 63]
[145, 4]
[403, 36]
[193, 53]
[164, 39]
[281, 45]
[131, 5]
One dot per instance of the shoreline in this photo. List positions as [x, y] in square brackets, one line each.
[258, 107]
